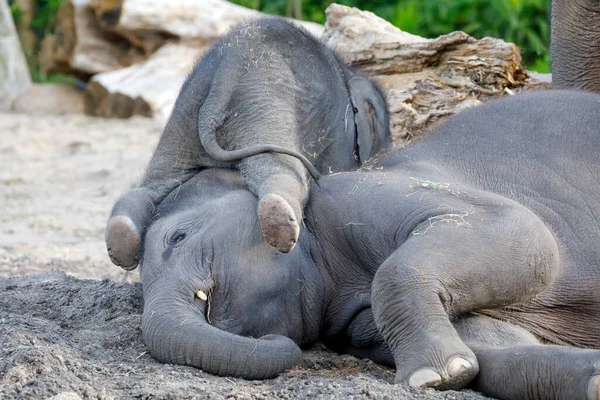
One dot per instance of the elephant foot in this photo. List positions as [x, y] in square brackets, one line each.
[123, 242]
[278, 222]
[455, 375]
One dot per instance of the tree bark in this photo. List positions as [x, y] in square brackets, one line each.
[14, 72]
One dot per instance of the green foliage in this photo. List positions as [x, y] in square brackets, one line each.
[37, 75]
[523, 22]
[254, 4]
[45, 15]
[15, 11]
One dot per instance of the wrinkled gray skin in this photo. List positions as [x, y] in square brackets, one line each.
[267, 88]
[470, 258]
[575, 44]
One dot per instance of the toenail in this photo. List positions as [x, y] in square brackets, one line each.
[458, 365]
[593, 391]
[424, 378]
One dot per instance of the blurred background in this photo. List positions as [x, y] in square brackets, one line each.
[523, 22]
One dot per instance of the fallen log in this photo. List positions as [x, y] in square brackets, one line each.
[428, 79]
[149, 88]
[377, 47]
[148, 23]
[81, 47]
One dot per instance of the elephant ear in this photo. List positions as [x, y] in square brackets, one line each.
[370, 118]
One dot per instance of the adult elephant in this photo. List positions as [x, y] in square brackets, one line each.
[262, 99]
[470, 258]
[575, 44]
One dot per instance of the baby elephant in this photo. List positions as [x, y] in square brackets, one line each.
[260, 99]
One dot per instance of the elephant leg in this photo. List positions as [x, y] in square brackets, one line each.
[514, 365]
[177, 158]
[123, 233]
[495, 257]
[129, 219]
[281, 184]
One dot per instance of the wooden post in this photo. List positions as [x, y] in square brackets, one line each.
[14, 73]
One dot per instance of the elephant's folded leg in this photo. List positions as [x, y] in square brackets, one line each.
[123, 234]
[281, 185]
[496, 256]
[129, 219]
[123, 242]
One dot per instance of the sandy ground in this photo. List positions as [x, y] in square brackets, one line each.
[70, 335]
[59, 176]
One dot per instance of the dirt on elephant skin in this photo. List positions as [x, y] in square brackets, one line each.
[66, 336]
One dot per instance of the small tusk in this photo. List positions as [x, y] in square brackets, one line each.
[201, 295]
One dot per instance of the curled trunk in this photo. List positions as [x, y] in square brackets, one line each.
[177, 332]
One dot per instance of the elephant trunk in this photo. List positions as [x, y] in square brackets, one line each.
[177, 332]
[575, 45]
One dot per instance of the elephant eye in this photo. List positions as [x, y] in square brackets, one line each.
[355, 110]
[177, 237]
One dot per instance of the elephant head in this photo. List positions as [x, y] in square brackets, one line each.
[575, 44]
[214, 291]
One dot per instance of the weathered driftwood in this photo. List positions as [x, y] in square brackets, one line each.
[81, 47]
[148, 88]
[148, 23]
[374, 45]
[428, 79]
[14, 73]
